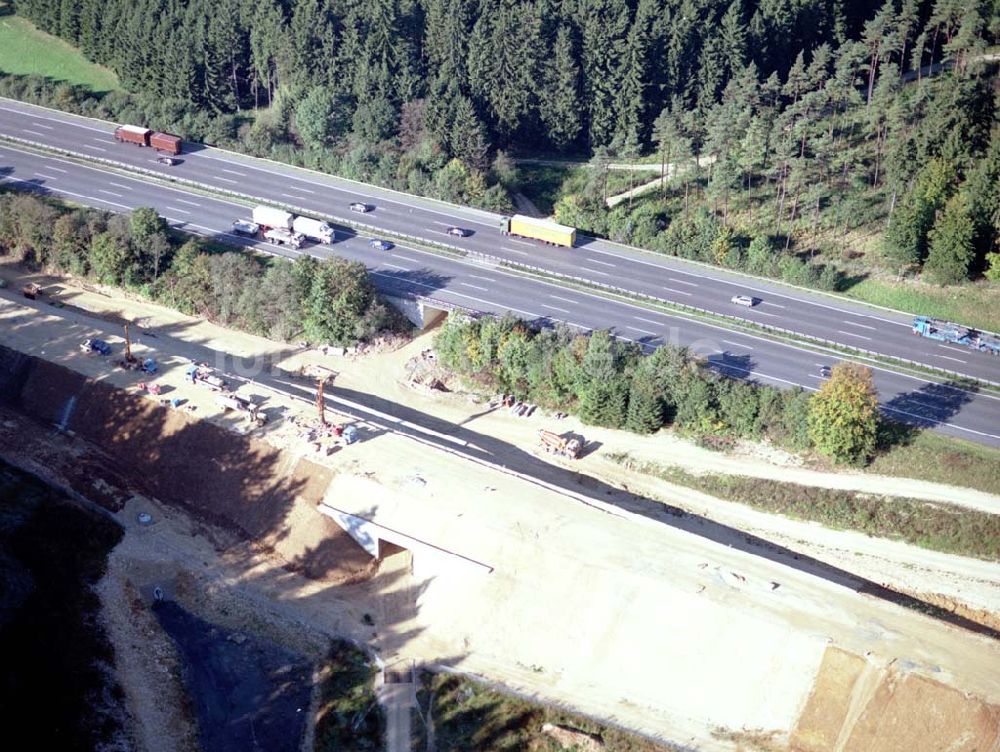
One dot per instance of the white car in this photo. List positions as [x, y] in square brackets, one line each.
[357, 206]
[743, 300]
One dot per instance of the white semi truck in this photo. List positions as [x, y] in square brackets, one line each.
[284, 228]
[314, 229]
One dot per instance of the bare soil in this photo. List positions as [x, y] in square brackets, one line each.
[569, 577]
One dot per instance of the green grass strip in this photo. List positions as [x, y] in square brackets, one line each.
[932, 525]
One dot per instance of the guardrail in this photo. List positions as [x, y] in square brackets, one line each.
[496, 260]
[706, 312]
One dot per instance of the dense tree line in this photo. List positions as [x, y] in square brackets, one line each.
[804, 111]
[330, 301]
[609, 382]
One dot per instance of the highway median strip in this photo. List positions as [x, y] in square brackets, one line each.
[603, 289]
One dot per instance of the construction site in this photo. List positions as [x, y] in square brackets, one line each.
[298, 495]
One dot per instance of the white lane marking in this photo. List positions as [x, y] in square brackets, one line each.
[300, 190]
[744, 285]
[62, 122]
[553, 308]
[682, 282]
[648, 321]
[33, 133]
[738, 344]
[955, 349]
[43, 125]
[485, 279]
[174, 208]
[862, 326]
[46, 177]
[110, 193]
[234, 172]
[394, 266]
[522, 242]
[99, 200]
[99, 140]
[764, 313]
[124, 187]
[948, 357]
[852, 334]
[926, 419]
[644, 331]
[516, 250]
[773, 305]
[474, 287]
[406, 258]
[603, 263]
[227, 180]
[564, 300]
[95, 148]
[55, 169]
[679, 292]
[189, 203]
[594, 271]
[289, 195]
[533, 314]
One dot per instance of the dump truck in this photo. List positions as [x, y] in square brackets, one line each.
[538, 229]
[204, 376]
[272, 219]
[553, 443]
[956, 334]
[242, 405]
[278, 236]
[314, 229]
[165, 142]
[133, 134]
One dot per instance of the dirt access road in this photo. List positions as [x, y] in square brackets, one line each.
[570, 580]
[376, 387]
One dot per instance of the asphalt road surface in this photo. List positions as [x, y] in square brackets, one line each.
[814, 314]
[404, 270]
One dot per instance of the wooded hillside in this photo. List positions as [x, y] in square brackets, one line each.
[816, 113]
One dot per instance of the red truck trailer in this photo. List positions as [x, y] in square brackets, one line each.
[133, 134]
[165, 142]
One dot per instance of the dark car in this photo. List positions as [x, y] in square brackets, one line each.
[358, 206]
[458, 232]
[825, 371]
[168, 161]
[380, 245]
[97, 346]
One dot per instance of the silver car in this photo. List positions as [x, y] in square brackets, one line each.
[743, 300]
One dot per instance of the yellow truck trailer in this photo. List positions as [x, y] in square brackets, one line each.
[538, 229]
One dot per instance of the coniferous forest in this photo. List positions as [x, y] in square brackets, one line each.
[795, 127]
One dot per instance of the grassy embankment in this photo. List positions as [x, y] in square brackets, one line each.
[935, 526]
[24, 50]
[942, 459]
[349, 716]
[470, 716]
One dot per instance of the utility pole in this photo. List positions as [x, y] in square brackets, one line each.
[128, 346]
[320, 402]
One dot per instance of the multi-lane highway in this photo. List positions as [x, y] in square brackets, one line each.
[405, 270]
[601, 262]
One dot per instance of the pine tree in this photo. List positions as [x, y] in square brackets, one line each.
[604, 28]
[951, 244]
[467, 137]
[560, 103]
